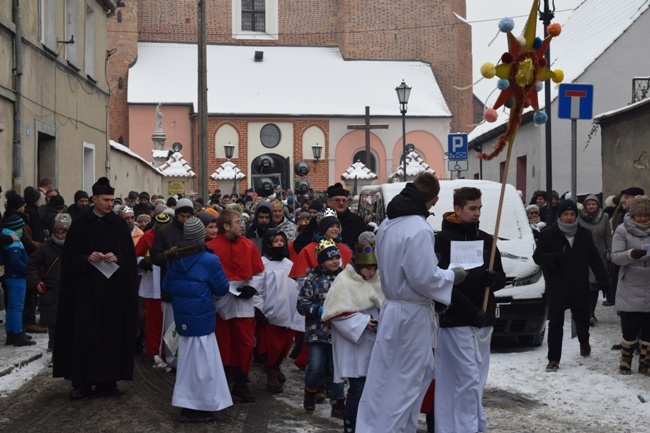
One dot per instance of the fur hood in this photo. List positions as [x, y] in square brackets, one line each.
[350, 293]
[183, 250]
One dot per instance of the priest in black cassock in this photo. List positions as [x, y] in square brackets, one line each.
[94, 343]
[352, 225]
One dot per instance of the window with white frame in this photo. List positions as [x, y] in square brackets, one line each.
[88, 166]
[48, 23]
[255, 19]
[71, 30]
[89, 35]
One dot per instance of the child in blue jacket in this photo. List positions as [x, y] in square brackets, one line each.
[15, 259]
[194, 276]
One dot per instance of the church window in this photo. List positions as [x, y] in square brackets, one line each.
[360, 156]
[253, 15]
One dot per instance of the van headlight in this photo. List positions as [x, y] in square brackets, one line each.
[529, 279]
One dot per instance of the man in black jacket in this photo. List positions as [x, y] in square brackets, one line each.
[352, 225]
[463, 355]
[566, 251]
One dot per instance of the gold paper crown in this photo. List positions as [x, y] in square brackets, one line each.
[324, 244]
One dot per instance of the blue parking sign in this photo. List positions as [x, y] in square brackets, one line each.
[456, 147]
[575, 101]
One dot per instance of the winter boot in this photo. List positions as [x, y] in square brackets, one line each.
[309, 401]
[349, 425]
[644, 358]
[338, 408]
[10, 338]
[430, 422]
[272, 383]
[22, 340]
[627, 352]
[281, 377]
[240, 388]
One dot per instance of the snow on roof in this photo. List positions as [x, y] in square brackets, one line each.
[612, 113]
[289, 81]
[590, 30]
[176, 166]
[226, 171]
[414, 166]
[358, 170]
[160, 153]
[122, 148]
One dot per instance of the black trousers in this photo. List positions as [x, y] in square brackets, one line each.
[635, 324]
[556, 330]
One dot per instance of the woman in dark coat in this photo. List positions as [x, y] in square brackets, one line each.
[566, 251]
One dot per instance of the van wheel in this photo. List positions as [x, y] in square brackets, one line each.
[534, 340]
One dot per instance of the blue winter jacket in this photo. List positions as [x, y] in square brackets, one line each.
[14, 256]
[194, 274]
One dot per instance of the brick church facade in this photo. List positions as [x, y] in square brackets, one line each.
[427, 31]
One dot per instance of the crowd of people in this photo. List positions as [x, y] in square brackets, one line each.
[206, 288]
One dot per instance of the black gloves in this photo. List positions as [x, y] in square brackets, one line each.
[247, 292]
[490, 279]
[260, 318]
[637, 253]
[459, 275]
[480, 319]
[145, 266]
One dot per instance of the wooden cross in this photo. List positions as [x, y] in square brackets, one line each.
[367, 126]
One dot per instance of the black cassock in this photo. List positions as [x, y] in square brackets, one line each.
[97, 316]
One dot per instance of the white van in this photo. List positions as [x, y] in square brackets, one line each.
[521, 305]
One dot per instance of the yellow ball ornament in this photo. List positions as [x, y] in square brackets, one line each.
[558, 76]
[488, 70]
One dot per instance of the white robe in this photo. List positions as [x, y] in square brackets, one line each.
[229, 307]
[462, 365]
[402, 363]
[351, 302]
[150, 283]
[201, 382]
[279, 295]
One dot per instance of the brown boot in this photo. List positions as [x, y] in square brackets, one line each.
[627, 353]
[338, 409]
[36, 329]
[272, 383]
[309, 401]
[644, 358]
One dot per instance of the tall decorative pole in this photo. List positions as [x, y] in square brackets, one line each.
[403, 93]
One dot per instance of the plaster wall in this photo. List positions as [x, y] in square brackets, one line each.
[176, 125]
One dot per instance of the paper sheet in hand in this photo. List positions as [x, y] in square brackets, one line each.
[234, 285]
[106, 268]
[466, 254]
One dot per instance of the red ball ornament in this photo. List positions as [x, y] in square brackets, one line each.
[507, 58]
[491, 115]
[542, 62]
[554, 29]
[527, 103]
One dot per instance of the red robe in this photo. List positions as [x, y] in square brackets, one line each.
[307, 259]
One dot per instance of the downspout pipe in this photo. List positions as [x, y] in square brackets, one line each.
[18, 74]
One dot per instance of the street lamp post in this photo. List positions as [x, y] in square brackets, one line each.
[403, 93]
[229, 150]
[316, 150]
[546, 15]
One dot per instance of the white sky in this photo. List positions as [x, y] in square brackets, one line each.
[484, 16]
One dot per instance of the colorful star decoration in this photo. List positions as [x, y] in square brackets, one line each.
[521, 71]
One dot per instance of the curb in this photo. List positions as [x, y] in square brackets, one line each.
[20, 364]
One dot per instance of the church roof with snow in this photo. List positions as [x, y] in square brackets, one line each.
[591, 29]
[227, 171]
[176, 166]
[289, 81]
[358, 170]
[414, 166]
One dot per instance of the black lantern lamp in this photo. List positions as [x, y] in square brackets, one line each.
[403, 93]
[229, 149]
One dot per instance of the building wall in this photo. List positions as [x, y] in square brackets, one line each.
[130, 173]
[176, 125]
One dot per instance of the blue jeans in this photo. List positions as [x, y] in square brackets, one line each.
[320, 358]
[15, 303]
[354, 395]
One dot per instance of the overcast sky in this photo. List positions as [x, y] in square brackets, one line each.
[484, 16]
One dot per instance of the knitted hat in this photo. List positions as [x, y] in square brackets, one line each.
[206, 217]
[193, 230]
[143, 220]
[592, 197]
[79, 195]
[14, 222]
[531, 207]
[57, 202]
[103, 187]
[169, 211]
[171, 201]
[144, 194]
[184, 205]
[31, 195]
[133, 195]
[566, 205]
[161, 219]
[325, 250]
[555, 195]
[14, 200]
[640, 205]
[327, 218]
[364, 250]
[62, 221]
[337, 190]
[316, 205]
[633, 190]
[159, 209]
[609, 201]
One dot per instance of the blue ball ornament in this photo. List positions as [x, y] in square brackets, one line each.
[506, 25]
[540, 118]
[503, 84]
[537, 42]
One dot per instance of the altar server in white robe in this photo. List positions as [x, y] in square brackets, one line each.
[402, 360]
[194, 275]
[352, 305]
